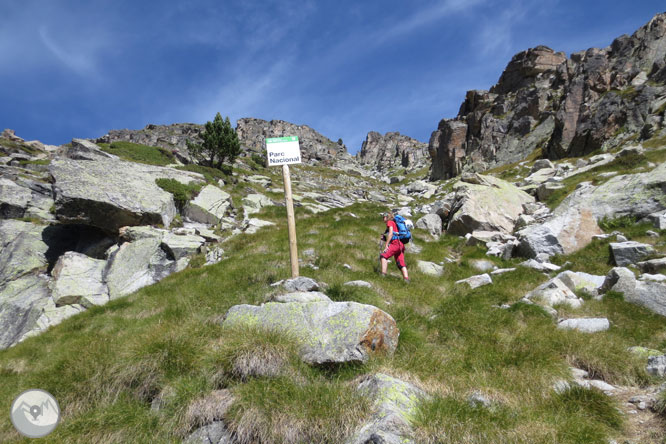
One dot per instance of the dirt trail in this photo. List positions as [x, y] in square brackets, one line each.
[643, 425]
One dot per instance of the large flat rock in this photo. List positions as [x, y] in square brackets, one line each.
[137, 264]
[78, 279]
[209, 206]
[574, 229]
[110, 194]
[584, 325]
[490, 204]
[329, 332]
[636, 195]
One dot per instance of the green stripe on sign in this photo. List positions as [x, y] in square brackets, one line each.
[282, 139]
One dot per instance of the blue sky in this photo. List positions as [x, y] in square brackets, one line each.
[78, 68]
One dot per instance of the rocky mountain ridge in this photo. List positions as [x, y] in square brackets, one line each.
[392, 150]
[315, 147]
[378, 154]
[566, 107]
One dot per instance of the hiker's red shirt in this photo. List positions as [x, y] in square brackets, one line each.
[389, 224]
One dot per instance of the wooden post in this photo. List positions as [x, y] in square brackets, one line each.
[291, 221]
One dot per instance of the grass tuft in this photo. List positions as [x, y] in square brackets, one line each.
[212, 175]
[181, 193]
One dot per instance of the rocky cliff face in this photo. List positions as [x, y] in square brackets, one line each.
[315, 148]
[392, 150]
[599, 98]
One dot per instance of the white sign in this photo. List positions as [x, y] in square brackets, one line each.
[283, 150]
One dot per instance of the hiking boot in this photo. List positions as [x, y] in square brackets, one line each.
[407, 281]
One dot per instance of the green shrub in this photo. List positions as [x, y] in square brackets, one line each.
[134, 152]
[660, 405]
[608, 224]
[627, 162]
[177, 221]
[259, 160]
[17, 146]
[218, 143]
[35, 162]
[197, 261]
[655, 142]
[181, 193]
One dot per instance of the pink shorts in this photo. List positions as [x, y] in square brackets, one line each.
[397, 249]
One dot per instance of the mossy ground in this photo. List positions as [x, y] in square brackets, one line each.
[134, 152]
[108, 364]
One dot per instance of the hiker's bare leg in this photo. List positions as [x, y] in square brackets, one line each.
[404, 273]
[384, 265]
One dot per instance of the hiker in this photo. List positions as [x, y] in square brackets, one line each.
[393, 247]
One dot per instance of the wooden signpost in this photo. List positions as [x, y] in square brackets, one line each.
[284, 151]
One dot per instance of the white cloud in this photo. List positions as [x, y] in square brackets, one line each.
[397, 27]
[242, 94]
[81, 59]
[47, 36]
[427, 16]
[496, 36]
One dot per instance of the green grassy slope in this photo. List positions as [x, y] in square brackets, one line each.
[107, 365]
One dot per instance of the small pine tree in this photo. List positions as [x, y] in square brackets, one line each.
[219, 142]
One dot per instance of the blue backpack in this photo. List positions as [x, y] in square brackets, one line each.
[403, 231]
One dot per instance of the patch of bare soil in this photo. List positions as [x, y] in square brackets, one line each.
[643, 425]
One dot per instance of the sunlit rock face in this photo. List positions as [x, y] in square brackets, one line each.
[392, 151]
[563, 106]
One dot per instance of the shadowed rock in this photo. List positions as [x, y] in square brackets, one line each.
[630, 252]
